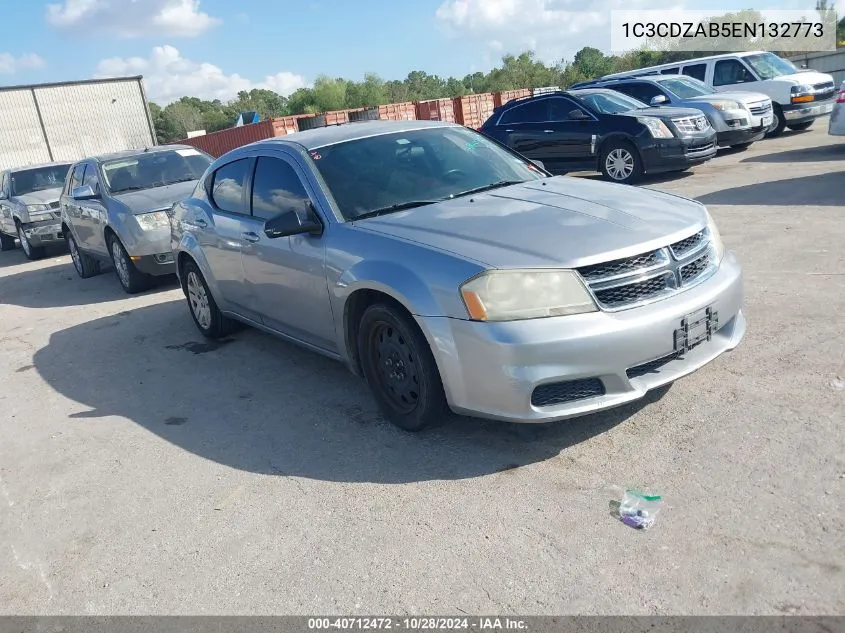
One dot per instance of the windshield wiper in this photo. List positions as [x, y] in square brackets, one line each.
[411, 204]
[173, 182]
[132, 188]
[492, 185]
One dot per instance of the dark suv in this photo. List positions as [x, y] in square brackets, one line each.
[603, 130]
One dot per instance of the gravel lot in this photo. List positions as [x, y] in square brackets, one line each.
[143, 470]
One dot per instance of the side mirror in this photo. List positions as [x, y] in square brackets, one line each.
[578, 115]
[539, 164]
[85, 192]
[291, 223]
[658, 100]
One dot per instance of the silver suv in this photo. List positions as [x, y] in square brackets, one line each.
[29, 207]
[115, 208]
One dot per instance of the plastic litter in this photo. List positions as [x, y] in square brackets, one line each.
[639, 509]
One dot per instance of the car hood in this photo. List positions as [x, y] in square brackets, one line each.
[664, 111]
[45, 196]
[157, 198]
[742, 97]
[562, 221]
[806, 77]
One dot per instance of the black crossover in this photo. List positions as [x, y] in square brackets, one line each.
[602, 130]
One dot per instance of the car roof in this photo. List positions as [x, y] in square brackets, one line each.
[40, 166]
[686, 62]
[332, 134]
[586, 90]
[135, 152]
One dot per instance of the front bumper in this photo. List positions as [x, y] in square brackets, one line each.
[157, 265]
[803, 112]
[490, 370]
[729, 138]
[678, 153]
[43, 232]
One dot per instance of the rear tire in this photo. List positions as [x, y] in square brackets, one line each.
[7, 242]
[85, 265]
[201, 304]
[621, 162]
[31, 252]
[399, 368]
[799, 127]
[132, 280]
[781, 122]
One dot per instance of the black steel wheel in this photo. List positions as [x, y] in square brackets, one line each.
[400, 368]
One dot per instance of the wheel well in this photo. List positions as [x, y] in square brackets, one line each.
[106, 233]
[181, 259]
[354, 309]
[618, 138]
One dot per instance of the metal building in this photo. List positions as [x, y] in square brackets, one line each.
[67, 121]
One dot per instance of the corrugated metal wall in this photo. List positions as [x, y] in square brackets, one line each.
[21, 138]
[80, 119]
[830, 62]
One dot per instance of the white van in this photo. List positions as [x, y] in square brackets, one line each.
[798, 96]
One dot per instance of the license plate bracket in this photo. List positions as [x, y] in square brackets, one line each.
[696, 328]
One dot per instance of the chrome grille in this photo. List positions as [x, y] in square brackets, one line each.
[692, 124]
[54, 205]
[825, 85]
[650, 276]
[760, 108]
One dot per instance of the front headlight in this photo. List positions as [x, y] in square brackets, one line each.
[657, 127]
[154, 220]
[727, 104]
[37, 208]
[715, 239]
[801, 89]
[511, 295]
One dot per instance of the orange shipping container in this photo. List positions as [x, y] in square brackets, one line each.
[436, 110]
[218, 143]
[501, 98]
[397, 112]
[473, 110]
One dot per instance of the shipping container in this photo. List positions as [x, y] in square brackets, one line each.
[397, 111]
[473, 110]
[67, 121]
[218, 143]
[336, 117]
[436, 110]
[367, 114]
[501, 98]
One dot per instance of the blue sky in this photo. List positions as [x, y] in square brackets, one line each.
[213, 48]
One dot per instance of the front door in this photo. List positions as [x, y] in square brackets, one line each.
[286, 275]
[92, 215]
[7, 225]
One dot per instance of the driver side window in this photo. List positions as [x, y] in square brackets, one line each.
[90, 177]
[642, 91]
[277, 188]
[561, 108]
[76, 178]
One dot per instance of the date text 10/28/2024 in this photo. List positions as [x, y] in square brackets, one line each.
[418, 623]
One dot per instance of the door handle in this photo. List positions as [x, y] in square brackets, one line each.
[249, 236]
[508, 130]
[548, 131]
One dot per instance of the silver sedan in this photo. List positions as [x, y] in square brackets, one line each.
[453, 273]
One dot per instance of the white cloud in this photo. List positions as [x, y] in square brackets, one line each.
[555, 29]
[9, 64]
[169, 76]
[132, 18]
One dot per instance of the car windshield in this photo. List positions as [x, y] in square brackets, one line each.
[28, 180]
[769, 65]
[395, 171]
[684, 88]
[154, 169]
[609, 102]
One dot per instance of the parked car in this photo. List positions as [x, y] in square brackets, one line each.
[115, 208]
[29, 207]
[836, 125]
[739, 118]
[450, 271]
[798, 96]
[602, 130]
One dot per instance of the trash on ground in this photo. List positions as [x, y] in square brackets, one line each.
[638, 509]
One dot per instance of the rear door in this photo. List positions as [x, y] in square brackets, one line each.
[521, 128]
[221, 235]
[286, 275]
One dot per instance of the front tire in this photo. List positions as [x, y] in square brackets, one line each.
[777, 130]
[621, 162]
[132, 280]
[203, 308]
[399, 368]
[800, 127]
[85, 265]
[32, 252]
